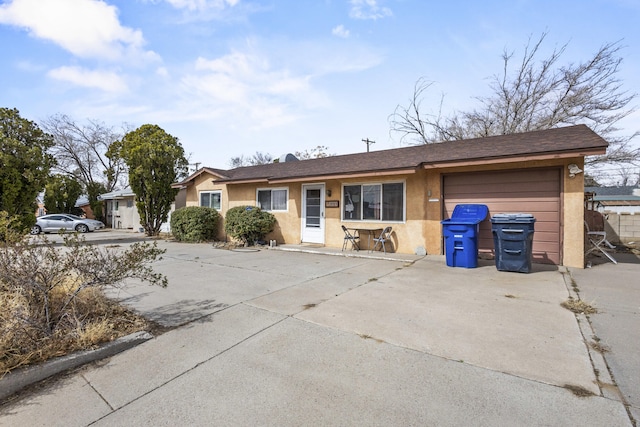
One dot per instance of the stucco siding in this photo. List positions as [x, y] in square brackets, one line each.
[423, 202]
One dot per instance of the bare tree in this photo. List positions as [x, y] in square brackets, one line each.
[318, 152]
[80, 150]
[259, 158]
[531, 95]
[628, 176]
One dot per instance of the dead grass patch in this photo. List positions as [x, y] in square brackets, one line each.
[578, 306]
[94, 320]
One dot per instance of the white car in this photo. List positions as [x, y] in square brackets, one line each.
[67, 222]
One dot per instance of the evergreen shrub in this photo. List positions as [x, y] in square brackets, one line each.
[195, 224]
[249, 224]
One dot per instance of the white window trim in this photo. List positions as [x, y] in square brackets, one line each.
[210, 192]
[404, 202]
[286, 209]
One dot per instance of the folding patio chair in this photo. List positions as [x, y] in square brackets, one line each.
[353, 238]
[384, 237]
[597, 239]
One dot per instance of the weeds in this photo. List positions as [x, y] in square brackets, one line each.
[578, 306]
[52, 300]
[599, 347]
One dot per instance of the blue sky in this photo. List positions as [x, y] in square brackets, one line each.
[232, 77]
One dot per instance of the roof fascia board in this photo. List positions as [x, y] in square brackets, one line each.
[343, 176]
[491, 161]
[240, 181]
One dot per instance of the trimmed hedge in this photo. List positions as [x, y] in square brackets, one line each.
[248, 223]
[195, 224]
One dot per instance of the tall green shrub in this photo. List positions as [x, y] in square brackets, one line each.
[155, 160]
[24, 166]
[248, 223]
[195, 224]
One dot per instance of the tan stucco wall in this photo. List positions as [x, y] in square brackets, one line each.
[406, 236]
[206, 182]
[423, 200]
[287, 228]
[573, 207]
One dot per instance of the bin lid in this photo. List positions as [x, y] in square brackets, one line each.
[469, 213]
[513, 217]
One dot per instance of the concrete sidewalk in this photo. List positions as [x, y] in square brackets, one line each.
[286, 338]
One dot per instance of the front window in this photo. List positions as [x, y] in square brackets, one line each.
[373, 202]
[211, 199]
[273, 199]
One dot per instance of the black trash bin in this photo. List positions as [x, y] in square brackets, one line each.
[461, 235]
[513, 241]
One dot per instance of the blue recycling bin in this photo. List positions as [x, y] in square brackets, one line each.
[513, 241]
[461, 235]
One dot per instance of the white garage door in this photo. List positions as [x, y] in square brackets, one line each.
[533, 191]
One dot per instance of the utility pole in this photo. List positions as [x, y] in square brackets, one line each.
[368, 142]
[196, 164]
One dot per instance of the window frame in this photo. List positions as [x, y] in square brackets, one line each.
[361, 205]
[219, 192]
[271, 190]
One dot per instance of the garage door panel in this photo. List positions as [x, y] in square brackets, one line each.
[535, 191]
[545, 236]
[496, 207]
[510, 200]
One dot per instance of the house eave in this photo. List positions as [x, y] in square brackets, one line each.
[344, 176]
[513, 159]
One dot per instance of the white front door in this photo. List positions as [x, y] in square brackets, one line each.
[313, 213]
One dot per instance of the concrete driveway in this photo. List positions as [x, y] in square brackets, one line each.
[286, 338]
[615, 291]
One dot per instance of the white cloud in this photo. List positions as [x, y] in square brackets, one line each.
[162, 72]
[245, 84]
[340, 31]
[104, 80]
[86, 28]
[368, 9]
[200, 5]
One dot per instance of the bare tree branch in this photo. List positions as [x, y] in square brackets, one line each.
[81, 151]
[537, 94]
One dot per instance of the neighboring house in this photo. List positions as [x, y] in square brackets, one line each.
[121, 212]
[621, 208]
[616, 199]
[83, 204]
[413, 188]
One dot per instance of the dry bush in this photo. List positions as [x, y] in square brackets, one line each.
[52, 300]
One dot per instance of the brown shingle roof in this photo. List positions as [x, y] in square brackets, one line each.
[578, 140]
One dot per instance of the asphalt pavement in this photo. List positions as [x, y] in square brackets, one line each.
[290, 338]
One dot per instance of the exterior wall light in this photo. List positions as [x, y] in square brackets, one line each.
[574, 170]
